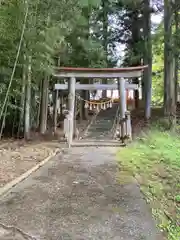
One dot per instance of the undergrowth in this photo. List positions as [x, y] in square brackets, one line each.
[154, 160]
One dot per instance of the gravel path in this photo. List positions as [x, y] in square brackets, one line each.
[77, 196]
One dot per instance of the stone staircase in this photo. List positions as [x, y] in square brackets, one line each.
[100, 128]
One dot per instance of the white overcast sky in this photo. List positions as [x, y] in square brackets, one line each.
[156, 18]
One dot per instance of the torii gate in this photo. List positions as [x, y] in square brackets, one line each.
[117, 73]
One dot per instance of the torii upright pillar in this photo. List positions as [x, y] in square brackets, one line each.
[123, 106]
[71, 106]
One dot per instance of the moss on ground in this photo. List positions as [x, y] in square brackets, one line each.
[154, 160]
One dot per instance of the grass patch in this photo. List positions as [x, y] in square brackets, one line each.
[154, 160]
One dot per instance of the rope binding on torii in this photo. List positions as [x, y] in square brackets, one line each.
[98, 105]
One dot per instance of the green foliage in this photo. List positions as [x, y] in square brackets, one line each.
[91, 3]
[132, 21]
[154, 161]
[158, 65]
[158, 60]
[54, 29]
[177, 198]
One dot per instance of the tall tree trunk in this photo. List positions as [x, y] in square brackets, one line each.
[28, 101]
[135, 39]
[4, 120]
[39, 106]
[176, 65]
[147, 58]
[22, 104]
[33, 108]
[105, 37]
[44, 95]
[85, 93]
[55, 115]
[169, 83]
[43, 115]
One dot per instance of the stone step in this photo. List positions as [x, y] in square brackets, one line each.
[97, 143]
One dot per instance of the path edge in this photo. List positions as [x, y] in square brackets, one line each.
[26, 174]
[89, 125]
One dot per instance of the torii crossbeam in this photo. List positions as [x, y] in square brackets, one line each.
[128, 72]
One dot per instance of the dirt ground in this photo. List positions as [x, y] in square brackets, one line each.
[17, 157]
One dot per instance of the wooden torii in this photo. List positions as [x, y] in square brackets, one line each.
[108, 73]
